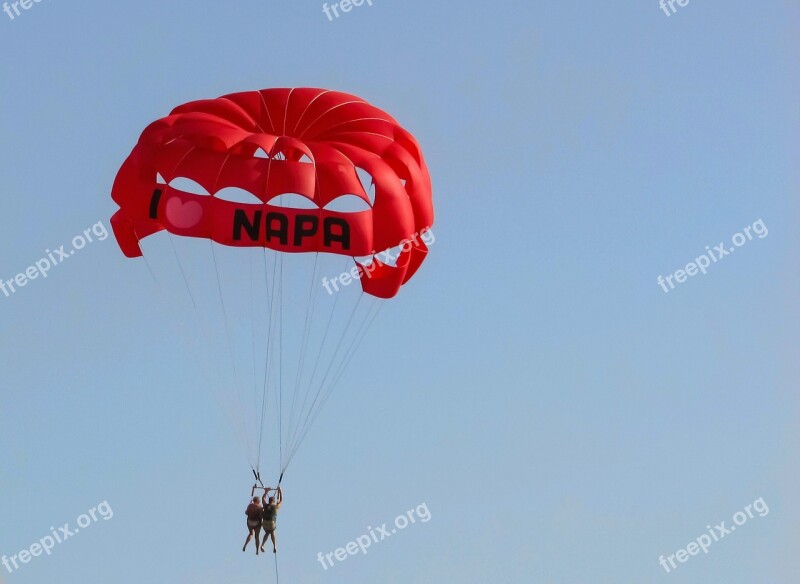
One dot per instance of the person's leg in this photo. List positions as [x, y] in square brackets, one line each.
[258, 537]
[267, 535]
[249, 537]
[264, 540]
[274, 543]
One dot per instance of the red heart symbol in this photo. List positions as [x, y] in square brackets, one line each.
[184, 215]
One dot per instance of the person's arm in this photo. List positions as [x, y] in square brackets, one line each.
[280, 497]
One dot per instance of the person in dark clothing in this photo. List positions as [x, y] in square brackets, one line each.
[270, 518]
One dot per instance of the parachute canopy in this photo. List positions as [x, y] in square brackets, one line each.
[243, 153]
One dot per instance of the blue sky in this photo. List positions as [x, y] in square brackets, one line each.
[563, 419]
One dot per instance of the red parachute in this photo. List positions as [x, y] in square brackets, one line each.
[273, 142]
[219, 172]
